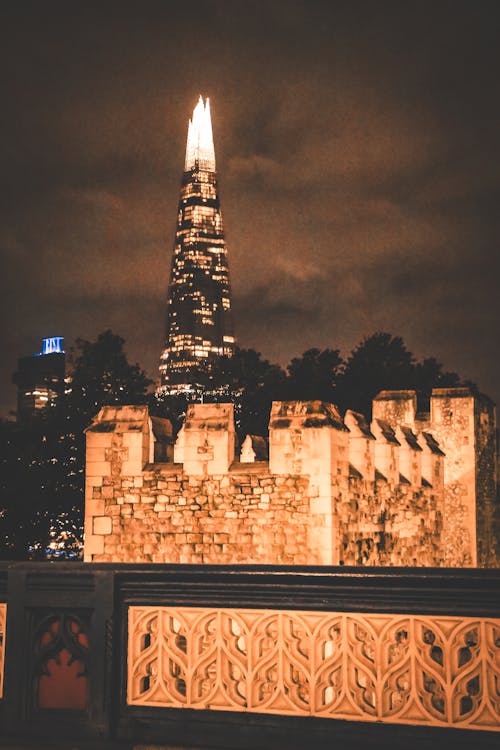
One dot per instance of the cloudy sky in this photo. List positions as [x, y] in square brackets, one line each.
[358, 150]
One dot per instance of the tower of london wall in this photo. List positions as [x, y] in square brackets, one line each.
[403, 490]
[464, 426]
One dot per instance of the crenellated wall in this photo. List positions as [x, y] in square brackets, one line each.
[334, 491]
[462, 425]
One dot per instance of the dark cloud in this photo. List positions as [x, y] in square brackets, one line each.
[357, 146]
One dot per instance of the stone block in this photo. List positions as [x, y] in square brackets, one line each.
[99, 440]
[94, 545]
[94, 482]
[97, 469]
[96, 454]
[94, 507]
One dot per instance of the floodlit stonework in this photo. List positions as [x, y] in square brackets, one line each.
[406, 669]
[409, 489]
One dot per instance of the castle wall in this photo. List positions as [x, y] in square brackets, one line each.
[452, 422]
[383, 524]
[488, 534]
[396, 407]
[463, 424]
[308, 505]
[246, 516]
[253, 516]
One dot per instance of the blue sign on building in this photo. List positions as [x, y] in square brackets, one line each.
[53, 345]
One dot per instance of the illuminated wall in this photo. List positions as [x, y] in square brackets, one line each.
[333, 492]
[199, 325]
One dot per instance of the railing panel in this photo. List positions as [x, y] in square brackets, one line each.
[3, 619]
[395, 668]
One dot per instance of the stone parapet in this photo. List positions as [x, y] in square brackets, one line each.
[208, 439]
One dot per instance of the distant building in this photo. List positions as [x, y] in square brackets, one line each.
[199, 324]
[37, 378]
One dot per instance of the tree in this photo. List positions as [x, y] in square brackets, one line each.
[247, 380]
[428, 375]
[172, 407]
[101, 375]
[21, 484]
[314, 375]
[252, 384]
[42, 491]
[382, 362]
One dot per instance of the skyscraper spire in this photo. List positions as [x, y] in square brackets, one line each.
[199, 325]
[200, 141]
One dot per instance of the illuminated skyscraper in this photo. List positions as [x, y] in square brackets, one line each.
[199, 325]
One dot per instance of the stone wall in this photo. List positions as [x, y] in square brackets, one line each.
[380, 524]
[247, 516]
[488, 531]
[464, 425]
[334, 491]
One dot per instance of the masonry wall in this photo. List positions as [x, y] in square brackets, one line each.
[166, 516]
[326, 496]
[453, 422]
[251, 516]
[389, 525]
[464, 424]
[488, 531]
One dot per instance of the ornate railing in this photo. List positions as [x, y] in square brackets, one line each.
[410, 669]
[402, 657]
[3, 617]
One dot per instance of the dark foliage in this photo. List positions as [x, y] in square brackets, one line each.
[42, 486]
[247, 380]
[315, 375]
[252, 384]
[382, 362]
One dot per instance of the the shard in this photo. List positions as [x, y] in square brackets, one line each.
[199, 325]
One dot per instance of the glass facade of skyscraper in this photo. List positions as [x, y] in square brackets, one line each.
[199, 324]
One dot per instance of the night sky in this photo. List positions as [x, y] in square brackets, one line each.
[358, 153]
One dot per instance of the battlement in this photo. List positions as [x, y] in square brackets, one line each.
[325, 489]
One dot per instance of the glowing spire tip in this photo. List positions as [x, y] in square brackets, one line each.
[200, 143]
